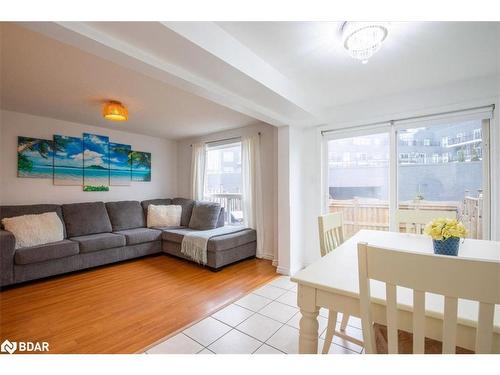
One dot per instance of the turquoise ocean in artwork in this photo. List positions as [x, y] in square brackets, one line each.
[68, 160]
[95, 161]
[37, 171]
[141, 175]
[119, 164]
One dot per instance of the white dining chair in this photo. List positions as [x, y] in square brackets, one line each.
[414, 221]
[451, 277]
[331, 235]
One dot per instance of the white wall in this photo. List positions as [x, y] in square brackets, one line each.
[16, 190]
[283, 209]
[269, 174]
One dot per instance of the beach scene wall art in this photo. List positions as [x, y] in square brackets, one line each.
[68, 160]
[119, 164]
[95, 162]
[91, 161]
[34, 157]
[141, 166]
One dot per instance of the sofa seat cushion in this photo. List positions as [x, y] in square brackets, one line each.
[125, 215]
[100, 241]
[175, 235]
[82, 219]
[140, 235]
[49, 251]
[218, 243]
[232, 240]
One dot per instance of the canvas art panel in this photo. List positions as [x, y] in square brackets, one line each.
[119, 164]
[141, 166]
[35, 157]
[68, 160]
[95, 162]
[91, 161]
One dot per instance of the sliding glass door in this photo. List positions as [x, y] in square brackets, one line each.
[358, 181]
[442, 168]
[372, 176]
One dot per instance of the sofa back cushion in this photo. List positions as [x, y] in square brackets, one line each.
[220, 221]
[31, 209]
[205, 215]
[156, 202]
[187, 209]
[86, 218]
[125, 215]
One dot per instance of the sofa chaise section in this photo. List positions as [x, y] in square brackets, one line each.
[221, 250]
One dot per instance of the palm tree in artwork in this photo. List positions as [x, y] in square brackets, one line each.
[42, 146]
[140, 159]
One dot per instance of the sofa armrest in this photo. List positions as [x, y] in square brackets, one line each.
[7, 250]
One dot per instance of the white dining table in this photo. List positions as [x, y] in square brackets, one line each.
[332, 282]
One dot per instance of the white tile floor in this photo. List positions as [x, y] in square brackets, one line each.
[265, 321]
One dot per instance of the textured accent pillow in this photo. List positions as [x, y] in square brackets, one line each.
[164, 216]
[33, 230]
[205, 215]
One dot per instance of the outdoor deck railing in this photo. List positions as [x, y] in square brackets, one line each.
[232, 203]
[373, 214]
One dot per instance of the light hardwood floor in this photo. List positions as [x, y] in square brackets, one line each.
[126, 307]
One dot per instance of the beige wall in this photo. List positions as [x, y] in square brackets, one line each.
[269, 174]
[14, 190]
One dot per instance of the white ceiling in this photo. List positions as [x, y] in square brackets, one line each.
[414, 55]
[181, 79]
[45, 77]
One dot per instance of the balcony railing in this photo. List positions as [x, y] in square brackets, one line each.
[363, 213]
[232, 203]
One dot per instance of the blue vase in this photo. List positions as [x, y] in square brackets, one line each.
[446, 247]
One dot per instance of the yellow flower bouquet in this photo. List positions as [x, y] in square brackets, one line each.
[446, 234]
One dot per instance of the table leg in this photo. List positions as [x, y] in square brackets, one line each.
[308, 335]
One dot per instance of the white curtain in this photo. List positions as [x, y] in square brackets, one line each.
[198, 170]
[252, 188]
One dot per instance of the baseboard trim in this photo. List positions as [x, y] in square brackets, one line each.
[283, 270]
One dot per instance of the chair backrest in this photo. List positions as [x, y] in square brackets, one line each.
[415, 220]
[331, 231]
[452, 277]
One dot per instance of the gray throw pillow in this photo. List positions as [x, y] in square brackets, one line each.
[205, 215]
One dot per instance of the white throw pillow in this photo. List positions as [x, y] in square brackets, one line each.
[164, 216]
[33, 230]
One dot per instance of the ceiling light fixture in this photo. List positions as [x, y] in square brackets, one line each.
[114, 111]
[363, 39]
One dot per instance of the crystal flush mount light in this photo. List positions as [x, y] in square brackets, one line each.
[363, 39]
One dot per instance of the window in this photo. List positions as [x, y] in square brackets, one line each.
[455, 183]
[441, 166]
[355, 188]
[223, 183]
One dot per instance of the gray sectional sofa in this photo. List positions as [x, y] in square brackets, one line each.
[98, 233]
